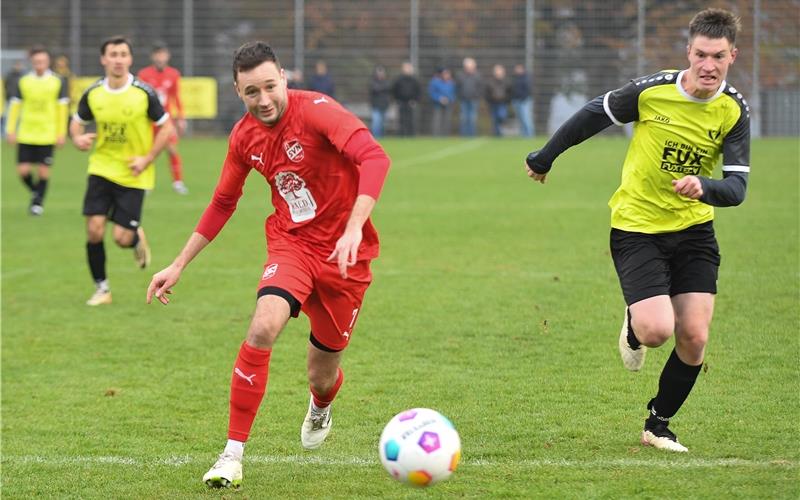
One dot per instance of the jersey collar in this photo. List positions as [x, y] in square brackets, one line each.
[46, 73]
[697, 99]
[119, 90]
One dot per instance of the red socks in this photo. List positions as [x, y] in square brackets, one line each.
[176, 167]
[325, 400]
[248, 385]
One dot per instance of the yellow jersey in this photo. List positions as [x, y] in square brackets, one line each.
[124, 119]
[674, 135]
[40, 103]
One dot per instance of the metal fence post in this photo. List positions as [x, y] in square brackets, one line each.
[755, 98]
[413, 36]
[299, 34]
[75, 36]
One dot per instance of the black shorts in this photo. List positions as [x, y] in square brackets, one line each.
[121, 204]
[667, 263]
[32, 153]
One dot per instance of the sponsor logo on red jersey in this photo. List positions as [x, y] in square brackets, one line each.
[294, 150]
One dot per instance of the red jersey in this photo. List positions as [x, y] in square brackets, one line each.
[165, 82]
[313, 173]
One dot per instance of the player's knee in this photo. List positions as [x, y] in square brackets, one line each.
[653, 332]
[693, 338]
[123, 239]
[263, 332]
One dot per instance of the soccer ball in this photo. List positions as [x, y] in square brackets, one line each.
[420, 447]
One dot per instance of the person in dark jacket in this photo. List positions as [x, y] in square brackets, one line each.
[521, 100]
[442, 92]
[469, 88]
[380, 95]
[321, 81]
[498, 95]
[406, 91]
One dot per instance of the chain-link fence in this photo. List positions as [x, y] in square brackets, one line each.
[574, 49]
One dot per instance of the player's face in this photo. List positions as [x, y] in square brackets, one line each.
[160, 58]
[40, 62]
[263, 91]
[117, 60]
[709, 61]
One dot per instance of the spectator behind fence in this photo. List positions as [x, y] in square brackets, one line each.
[294, 79]
[322, 81]
[442, 91]
[521, 100]
[498, 95]
[380, 95]
[406, 91]
[469, 89]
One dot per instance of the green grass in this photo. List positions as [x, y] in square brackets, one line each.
[494, 301]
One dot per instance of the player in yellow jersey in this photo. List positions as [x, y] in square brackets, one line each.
[662, 237]
[121, 164]
[36, 122]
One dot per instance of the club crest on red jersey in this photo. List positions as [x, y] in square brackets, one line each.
[294, 150]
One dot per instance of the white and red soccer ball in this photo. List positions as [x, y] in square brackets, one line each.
[420, 447]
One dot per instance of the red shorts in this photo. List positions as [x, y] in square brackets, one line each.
[330, 302]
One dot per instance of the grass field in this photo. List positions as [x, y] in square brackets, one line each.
[494, 301]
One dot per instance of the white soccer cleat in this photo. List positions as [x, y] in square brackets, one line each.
[225, 473]
[662, 438]
[36, 209]
[141, 252]
[633, 359]
[180, 188]
[100, 297]
[316, 427]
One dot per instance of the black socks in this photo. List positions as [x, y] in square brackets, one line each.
[674, 385]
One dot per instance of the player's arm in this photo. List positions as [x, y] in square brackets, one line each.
[176, 95]
[161, 119]
[222, 206]
[62, 112]
[363, 150]
[15, 105]
[732, 188]
[77, 127]
[617, 107]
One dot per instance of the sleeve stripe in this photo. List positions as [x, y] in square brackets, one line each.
[78, 119]
[735, 168]
[607, 109]
[163, 119]
[64, 100]
[15, 99]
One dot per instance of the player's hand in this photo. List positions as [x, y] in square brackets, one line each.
[535, 168]
[180, 126]
[11, 137]
[346, 251]
[162, 283]
[533, 175]
[138, 164]
[688, 186]
[60, 140]
[84, 141]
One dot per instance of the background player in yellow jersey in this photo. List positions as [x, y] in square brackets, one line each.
[662, 237]
[36, 122]
[121, 165]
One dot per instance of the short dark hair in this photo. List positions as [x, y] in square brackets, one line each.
[115, 40]
[37, 49]
[158, 46]
[252, 54]
[715, 23]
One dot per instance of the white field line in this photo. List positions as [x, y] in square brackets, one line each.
[180, 461]
[455, 149]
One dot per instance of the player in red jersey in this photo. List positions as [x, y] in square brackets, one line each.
[165, 80]
[325, 172]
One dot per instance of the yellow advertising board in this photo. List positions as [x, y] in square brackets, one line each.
[198, 95]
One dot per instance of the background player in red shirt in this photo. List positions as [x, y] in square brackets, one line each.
[325, 172]
[165, 80]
